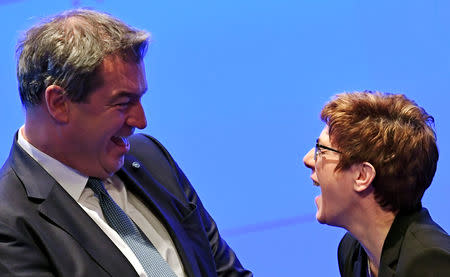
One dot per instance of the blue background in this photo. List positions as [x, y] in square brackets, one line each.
[235, 91]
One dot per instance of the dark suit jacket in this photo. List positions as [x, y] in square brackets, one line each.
[44, 232]
[414, 247]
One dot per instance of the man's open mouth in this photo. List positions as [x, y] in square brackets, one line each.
[120, 141]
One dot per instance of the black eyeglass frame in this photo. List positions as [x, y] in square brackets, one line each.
[318, 145]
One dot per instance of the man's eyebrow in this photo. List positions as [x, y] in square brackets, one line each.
[127, 94]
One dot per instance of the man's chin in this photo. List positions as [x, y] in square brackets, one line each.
[113, 166]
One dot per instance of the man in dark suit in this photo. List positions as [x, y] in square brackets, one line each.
[79, 194]
[373, 161]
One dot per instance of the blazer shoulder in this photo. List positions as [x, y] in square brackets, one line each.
[138, 141]
[349, 253]
[14, 201]
[425, 233]
[418, 259]
[347, 245]
[10, 186]
[151, 157]
[425, 248]
[5, 172]
[145, 147]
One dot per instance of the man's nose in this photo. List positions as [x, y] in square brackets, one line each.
[137, 117]
[308, 159]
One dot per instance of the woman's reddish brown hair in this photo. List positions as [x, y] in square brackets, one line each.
[393, 134]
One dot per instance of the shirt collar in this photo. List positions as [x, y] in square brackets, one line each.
[71, 180]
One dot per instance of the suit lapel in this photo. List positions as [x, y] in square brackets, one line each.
[59, 208]
[170, 211]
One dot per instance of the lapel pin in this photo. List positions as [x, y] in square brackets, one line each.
[135, 165]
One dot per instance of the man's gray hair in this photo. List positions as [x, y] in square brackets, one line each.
[66, 50]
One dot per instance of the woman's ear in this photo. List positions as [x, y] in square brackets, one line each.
[364, 175]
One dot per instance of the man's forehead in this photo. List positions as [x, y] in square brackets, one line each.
[110, 62]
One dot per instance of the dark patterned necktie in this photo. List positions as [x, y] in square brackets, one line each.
[154, 265]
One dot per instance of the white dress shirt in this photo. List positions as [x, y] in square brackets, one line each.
[75, 185]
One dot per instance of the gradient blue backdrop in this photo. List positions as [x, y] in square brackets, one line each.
[235, 90]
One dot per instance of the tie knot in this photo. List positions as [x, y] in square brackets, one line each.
[96, 185]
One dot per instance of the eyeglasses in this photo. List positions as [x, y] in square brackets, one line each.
[317, 150]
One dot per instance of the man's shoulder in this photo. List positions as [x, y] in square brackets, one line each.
[143, 143]
[5, 170]
[149, 155]
[14, 202]
[8, 180]
[147, 149]
[141, 138]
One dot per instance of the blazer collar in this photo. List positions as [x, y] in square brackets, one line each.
[36, 181]
[58, 207]
[394, 240]
[175, 214]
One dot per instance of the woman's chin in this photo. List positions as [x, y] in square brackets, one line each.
[319, 214]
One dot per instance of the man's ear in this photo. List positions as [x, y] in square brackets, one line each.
[57, 103]
[364, 175]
